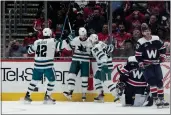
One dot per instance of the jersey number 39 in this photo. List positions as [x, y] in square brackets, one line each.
[41, 50]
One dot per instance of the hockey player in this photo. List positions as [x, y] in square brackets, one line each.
[132, 86]
[102, 76]
[44, 50]
[150, 51]
[80, 62]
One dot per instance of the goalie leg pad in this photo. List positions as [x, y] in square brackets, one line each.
[123, 100]
[139, 100]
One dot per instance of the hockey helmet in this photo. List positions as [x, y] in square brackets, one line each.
[93, 38]
[82, 32]
[47, 32]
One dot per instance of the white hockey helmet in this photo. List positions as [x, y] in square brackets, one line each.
[82, 32]
[47, 32]
[93, 38]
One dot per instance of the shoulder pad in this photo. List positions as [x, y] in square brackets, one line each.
[132, 59]
[102, 44]
[155, 38]
[142, 40]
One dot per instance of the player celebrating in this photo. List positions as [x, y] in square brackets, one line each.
[44, 50]
[132, 86]
[149, 52]
[80, 61]
[100, 51]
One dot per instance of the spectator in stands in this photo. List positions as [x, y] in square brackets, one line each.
[95, 21]
[156, 7]
[136, 35]
[16, 50]
[135, 19]
[114, 30]
[161, 33]
[163, 24]
[103, 36]
[119, 20]
[128, 49]
[61, 16]
[88, 10]
[167, 45]
[121, 36]
[58, 31]
[79, 22]
[39, 25]
[153, 24]
[29, 39]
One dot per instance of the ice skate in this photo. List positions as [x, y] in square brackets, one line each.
[99, 98]
[161, 103]
[83, 97]
[68, 95]
[27, 99]
[49, 100]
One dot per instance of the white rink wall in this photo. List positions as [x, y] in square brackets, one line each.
[17, 75]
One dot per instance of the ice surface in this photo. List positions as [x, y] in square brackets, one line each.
[77, 108]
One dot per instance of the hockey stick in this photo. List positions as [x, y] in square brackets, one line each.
[69, 26]
[65, 20]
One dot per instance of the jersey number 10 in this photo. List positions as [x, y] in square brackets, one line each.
[41, 50]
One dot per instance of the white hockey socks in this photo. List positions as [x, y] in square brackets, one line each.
[71, 81]
[98, 86]
[50, 87]
[32, 86]
[84, 84]
[111, 87]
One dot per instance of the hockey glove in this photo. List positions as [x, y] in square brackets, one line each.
[70, 37]
[121, 86]
[27, 47]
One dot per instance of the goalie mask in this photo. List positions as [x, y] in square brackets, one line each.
[82, 34]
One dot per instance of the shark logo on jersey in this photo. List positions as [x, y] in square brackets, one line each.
[82, 48]
[137, 74]
[152, 54]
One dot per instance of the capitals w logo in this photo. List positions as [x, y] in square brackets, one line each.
[137, 74]
[152, 53]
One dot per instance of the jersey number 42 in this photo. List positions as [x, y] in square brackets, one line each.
[41, 50]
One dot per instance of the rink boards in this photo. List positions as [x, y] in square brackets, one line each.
[17, 74]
